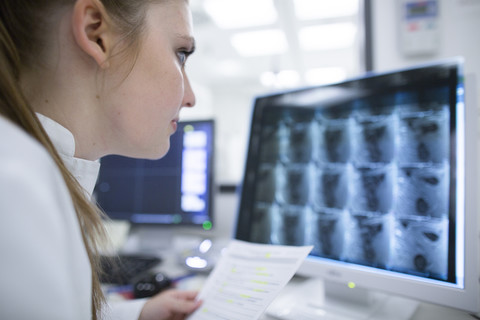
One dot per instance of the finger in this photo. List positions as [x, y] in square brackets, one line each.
[185, 306]
[188, 295]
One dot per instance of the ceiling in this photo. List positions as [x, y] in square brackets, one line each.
[217, 64]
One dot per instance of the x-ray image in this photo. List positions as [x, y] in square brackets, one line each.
[420, 246]
[333, 140]
[267, 183]
[424, 137]
[373, 189]
[288, 225]
[368, 238]
[374, 139]
[271, 148]
[331, 186]
[299, 143]
[295, 184]
[366, 183]
[326, 232]
[422, 190]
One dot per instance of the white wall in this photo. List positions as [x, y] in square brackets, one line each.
[459, 24]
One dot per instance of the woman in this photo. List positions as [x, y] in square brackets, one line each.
[104, 77]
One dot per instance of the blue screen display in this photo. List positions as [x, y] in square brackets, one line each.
[174, 190]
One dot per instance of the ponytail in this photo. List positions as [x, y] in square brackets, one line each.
[16, 108]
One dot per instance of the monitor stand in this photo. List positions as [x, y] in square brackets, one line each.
[316, 299]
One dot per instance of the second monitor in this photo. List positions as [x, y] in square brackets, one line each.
[173, 191]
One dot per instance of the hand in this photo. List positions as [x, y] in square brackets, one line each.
[170, 305]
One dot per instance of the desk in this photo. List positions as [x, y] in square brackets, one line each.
[425, 311]
[172, 267]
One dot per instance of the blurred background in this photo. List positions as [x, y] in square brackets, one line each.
[247, 48]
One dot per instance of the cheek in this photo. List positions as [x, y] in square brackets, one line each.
[143, 117]
[140, 134]
[159, 87]
[143, 106]
[169, 87]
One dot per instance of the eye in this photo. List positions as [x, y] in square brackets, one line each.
[182, 56]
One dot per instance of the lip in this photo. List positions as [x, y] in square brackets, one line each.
[174, 123]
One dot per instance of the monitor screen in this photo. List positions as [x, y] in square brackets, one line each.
[371, 172]
[174, 190]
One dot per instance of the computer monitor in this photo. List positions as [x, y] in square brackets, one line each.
[378, 173]
[174, 191]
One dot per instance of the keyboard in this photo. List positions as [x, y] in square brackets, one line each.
[122, 269]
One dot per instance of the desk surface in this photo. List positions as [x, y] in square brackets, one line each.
[172, 267]
[425, 311]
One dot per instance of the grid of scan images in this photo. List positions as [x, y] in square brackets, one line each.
[365, 182]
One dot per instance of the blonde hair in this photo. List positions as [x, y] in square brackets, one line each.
[21, 25]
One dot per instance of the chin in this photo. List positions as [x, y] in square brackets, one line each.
[154, 150]
[160, 153]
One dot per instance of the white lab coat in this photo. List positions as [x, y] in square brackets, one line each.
[44, 268]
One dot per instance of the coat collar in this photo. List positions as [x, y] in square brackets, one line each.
[85, 171]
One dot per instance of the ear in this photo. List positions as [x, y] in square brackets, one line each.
[92, 30]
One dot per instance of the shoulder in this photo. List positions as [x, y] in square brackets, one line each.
[31, 184]
[17, 146]
[26, 164]
[26, 167]
[43, 256]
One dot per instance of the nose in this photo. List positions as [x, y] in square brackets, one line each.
[188, 95]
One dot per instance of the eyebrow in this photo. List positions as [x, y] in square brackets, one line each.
[189, 39]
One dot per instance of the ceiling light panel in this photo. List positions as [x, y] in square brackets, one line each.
[259, 43]
[328, 36]
[321, 9]
[230, 14]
